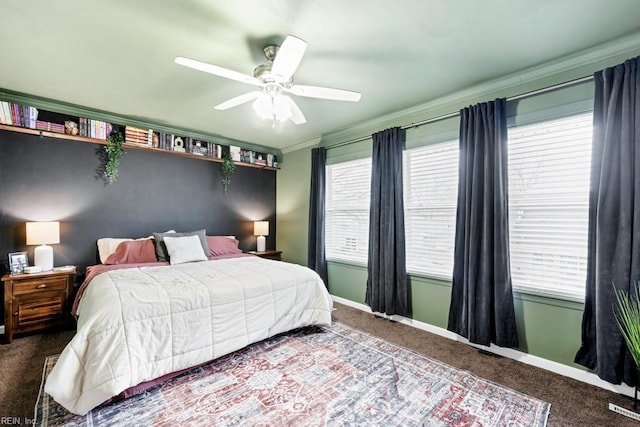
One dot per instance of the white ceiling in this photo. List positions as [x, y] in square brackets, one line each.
[117, 55]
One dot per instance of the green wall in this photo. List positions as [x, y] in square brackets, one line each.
[547, 327]
[292, 206]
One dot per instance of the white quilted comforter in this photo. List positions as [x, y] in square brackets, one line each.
[137, 324]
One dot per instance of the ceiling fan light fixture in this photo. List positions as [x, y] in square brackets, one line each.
[263, 106]
[274, 80]
[272, 107]
[281, 108]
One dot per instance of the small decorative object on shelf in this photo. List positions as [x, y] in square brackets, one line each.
[114, 150]
[228, 167]
[71, 127]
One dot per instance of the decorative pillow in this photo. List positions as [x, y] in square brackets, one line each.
[108, 245]
[184, 249]
[222, 245]
[161, 249]
[133, 251]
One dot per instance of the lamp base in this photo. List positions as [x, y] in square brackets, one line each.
[43, 257]
[262, 243]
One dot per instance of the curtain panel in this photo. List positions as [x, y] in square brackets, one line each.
[387, 289]
[482, 308]
[613, 258]
[316, 259]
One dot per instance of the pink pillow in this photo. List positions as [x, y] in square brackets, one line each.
[221, 245]
[135, 251]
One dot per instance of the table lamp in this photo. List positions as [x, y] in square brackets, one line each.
[261, 229]
[43, 234]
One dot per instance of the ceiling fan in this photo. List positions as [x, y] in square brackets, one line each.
[275, 80]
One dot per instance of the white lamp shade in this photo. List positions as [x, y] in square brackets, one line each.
[43, 233]
[261, 228]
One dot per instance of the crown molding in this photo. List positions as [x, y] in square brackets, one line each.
[579, 64]
[299, 146]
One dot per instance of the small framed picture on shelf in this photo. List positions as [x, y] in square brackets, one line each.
[17, 262]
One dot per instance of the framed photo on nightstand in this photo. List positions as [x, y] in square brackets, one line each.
[17, 262]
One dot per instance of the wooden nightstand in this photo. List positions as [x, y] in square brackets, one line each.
[36, 301]
[277, 255]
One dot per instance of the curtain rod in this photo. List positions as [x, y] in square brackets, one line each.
[457, 113]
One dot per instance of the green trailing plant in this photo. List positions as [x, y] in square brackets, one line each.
[628, 318]
[228, 167]
[114, 151]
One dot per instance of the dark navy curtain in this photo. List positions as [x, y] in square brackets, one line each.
[481, 307]
[316, 248]
[387, 289]
[613, 258]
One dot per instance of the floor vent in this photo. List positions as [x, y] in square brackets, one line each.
[625, 412]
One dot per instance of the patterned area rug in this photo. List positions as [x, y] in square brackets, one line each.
[314, 377]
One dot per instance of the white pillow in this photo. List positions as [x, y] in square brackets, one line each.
[184, 249]
[108, 245]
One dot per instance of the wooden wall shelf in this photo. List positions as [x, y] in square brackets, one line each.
[127, 146]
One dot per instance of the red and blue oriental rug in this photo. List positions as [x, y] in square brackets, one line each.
[314, 377]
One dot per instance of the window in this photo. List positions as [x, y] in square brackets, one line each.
[430, 197]
[549, 166]
[347, 210]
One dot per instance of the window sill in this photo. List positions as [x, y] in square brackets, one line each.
[543, 293]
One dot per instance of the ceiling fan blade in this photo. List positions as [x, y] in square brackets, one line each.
[324, 93]
[288, 57]
[296, 114]
[238, 100]
[217, 71]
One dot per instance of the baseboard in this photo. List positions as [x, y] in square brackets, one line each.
[549, 365]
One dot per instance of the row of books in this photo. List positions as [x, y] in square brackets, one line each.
[49, 127]
[247, 156]
[166, 141]
[94, 128]
[18, 115]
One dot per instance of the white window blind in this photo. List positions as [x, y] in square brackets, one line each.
[430, 197]
[549, 166]
[347, 210]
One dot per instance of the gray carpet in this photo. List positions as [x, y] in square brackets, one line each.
[572, 403]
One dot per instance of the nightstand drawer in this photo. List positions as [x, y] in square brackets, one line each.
[39, 285]
[40, 310]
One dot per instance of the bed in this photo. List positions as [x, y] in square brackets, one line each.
[142, 321]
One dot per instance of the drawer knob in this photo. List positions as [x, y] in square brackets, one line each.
[42, 286]
[16, 313]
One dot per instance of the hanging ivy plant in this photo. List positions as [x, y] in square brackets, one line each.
[228, 167]
[114, 151]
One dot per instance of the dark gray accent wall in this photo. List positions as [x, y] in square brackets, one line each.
[49, 179]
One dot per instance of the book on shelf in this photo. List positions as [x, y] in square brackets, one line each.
[95, 129]
[49, 127]
[138, 136]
